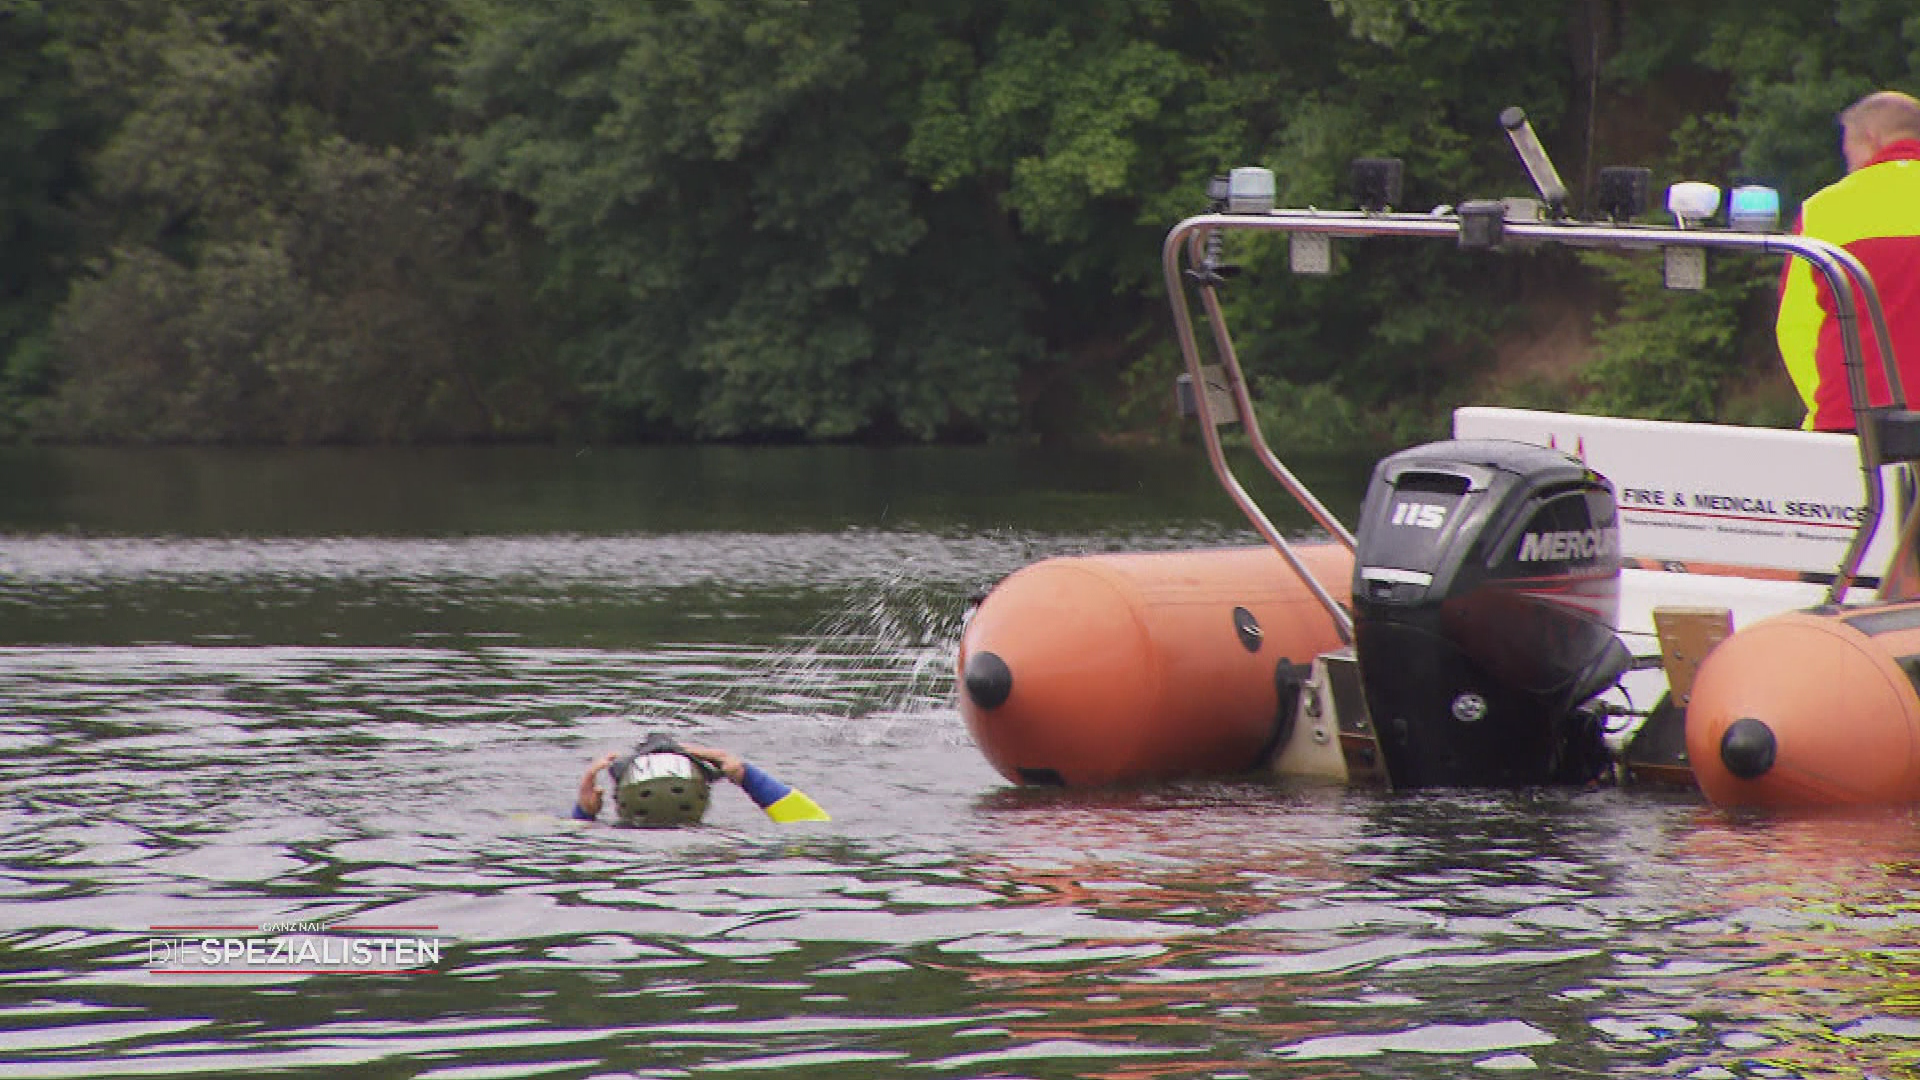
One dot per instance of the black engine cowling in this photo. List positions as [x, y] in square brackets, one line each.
[1486, 591]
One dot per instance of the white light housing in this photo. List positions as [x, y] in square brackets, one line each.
[1250, 190]
[1692, 201]
[1753, 208]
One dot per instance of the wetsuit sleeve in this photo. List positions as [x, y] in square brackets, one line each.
[781, 803]
[580, 813]
[763, 789]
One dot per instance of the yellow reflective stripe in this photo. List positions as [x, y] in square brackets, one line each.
[1874, 202]
[1798, 329]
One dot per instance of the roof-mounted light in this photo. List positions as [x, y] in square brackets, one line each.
[1250, 190]
[1620, 192]
[1753, 208]
[1692, 202]
[1376, 183]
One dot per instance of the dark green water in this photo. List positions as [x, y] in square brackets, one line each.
[353, 687]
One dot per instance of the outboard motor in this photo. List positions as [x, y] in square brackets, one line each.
[1486, 590]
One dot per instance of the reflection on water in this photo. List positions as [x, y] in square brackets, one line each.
[202, 731]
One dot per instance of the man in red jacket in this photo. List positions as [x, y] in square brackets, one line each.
[1874, 212]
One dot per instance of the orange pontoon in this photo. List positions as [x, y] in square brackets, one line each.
[1811, 708]
[1143, 666]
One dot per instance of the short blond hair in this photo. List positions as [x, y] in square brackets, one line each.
[1885, 116]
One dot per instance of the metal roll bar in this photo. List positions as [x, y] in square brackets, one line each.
[1843, 274]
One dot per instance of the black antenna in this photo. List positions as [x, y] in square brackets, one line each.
[1539, 166]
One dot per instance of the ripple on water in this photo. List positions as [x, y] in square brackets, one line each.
[192, 768]
[1426, 1039]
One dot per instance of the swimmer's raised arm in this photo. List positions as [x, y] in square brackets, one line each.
[586, 804]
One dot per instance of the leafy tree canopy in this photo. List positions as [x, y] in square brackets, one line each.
[287, 221]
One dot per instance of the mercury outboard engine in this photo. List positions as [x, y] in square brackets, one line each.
[1486, 590]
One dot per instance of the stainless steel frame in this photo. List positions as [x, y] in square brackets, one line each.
[1841, 271]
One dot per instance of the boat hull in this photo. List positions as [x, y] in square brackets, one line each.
[1105, 669]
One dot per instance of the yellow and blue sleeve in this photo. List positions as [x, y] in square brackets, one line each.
[781, 802]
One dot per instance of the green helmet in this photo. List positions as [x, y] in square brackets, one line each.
[659, 786]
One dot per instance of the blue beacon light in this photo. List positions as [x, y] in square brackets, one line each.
[1753, 208]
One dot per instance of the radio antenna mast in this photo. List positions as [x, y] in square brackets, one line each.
[1545, 178]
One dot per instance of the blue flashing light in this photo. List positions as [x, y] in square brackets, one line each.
[1753, 208]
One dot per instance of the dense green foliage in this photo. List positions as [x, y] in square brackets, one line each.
[276, 221]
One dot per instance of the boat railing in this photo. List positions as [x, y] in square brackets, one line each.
[1191, 257]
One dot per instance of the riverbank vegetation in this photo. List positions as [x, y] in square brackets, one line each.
[285, 222]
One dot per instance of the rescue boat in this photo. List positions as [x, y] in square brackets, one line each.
[1543, 598]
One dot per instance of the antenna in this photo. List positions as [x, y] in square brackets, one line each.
[1539, 166]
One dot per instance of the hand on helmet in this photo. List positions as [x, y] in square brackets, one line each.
[726, 761]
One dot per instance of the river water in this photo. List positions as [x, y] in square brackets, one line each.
[354, 690]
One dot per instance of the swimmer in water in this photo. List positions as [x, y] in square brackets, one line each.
[664, 783]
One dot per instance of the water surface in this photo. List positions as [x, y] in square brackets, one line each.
[352, 687]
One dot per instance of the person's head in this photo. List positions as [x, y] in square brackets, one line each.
[1875, 122]
[659, 785]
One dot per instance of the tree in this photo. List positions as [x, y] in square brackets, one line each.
[275, 220]
[1787, 69]
[735, 248]
[289, 254]
[44, 129]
